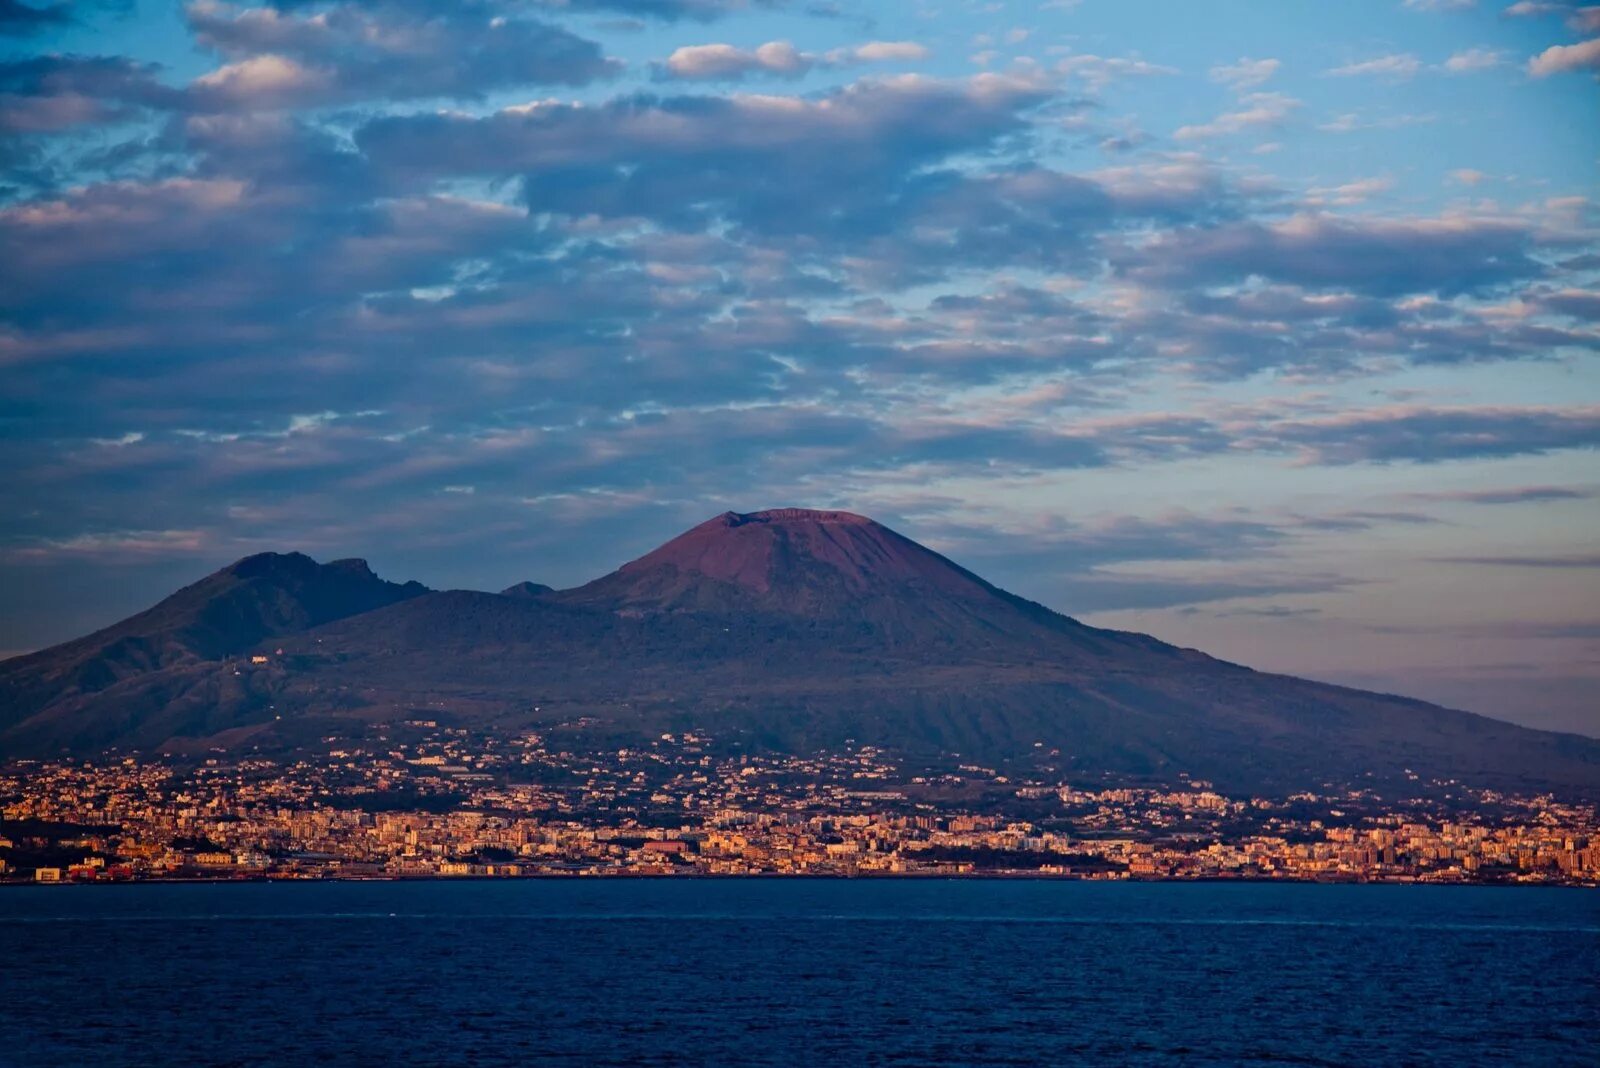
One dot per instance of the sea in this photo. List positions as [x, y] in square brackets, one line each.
[797, 972]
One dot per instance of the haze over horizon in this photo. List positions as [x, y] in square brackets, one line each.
[1267, 332]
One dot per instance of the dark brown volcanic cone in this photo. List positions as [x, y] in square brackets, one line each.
[785, 559]
[821, 567]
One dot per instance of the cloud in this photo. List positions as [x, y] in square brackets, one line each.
[345, 52]
[1581, 17]
[1097, 72]
[112, 546]
[722, 62]
[1396, 66]
[1515, 629]
[1246, 73]
[665, 10]
[1472, 60]
[344, 267]
[1561, 58]
[1175, 535]
[1271, 611]
[1350, 193]
[263, 81]
[887, 52]
[1257, 111]
[47, 94]
[1514, 495]
[1433, 435]
[1386, 257]
[775, 163]
[1084, 566]
[336, 267]
[1352, 122]
[1572, 561]
[1120, 591]
[19, 19]
[112, 220]
[1578, 303]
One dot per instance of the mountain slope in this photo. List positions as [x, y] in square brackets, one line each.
[1109, 702]
[225, 614]
[788, 630]
[828, 569]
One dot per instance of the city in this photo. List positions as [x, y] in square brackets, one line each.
[440, 803]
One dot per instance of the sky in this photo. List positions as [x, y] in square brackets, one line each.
[1268, 328]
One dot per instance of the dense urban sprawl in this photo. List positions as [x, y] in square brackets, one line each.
[443, 803]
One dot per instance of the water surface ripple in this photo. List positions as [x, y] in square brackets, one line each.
[757, 972]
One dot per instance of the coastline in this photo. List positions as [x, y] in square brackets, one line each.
[839, 877]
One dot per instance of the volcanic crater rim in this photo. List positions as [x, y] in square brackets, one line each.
[805, 515]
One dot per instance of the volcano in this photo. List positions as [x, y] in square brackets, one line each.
[156, 669]
[824, 568]
[786, 560]
[788, 630]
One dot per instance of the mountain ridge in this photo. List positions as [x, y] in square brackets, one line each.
[227, 613]
[787, 629]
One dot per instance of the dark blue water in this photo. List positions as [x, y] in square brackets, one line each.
[797, 972]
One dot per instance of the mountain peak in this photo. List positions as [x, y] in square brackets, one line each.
[794, 516]
[261, 596]
[528, 590]
[812, 562]
[258, 565]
